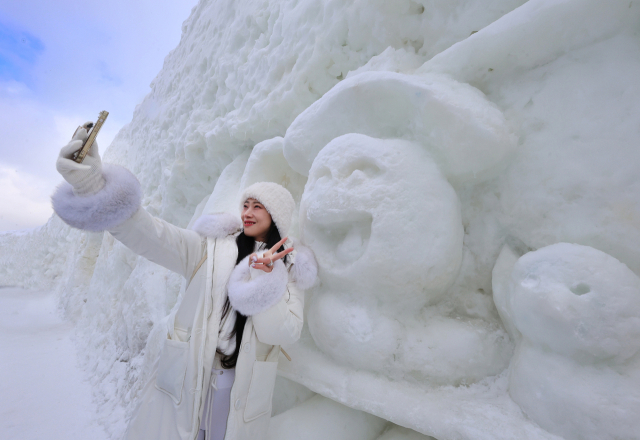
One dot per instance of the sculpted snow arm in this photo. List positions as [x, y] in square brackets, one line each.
[97, 197]
[274, 300]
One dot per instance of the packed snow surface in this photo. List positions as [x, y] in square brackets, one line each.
[44, 394]
[466, 173]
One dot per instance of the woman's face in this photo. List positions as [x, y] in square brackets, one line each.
[256, 220]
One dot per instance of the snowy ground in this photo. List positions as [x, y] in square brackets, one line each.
[43, 394]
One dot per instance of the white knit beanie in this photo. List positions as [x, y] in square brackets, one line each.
[276, 199]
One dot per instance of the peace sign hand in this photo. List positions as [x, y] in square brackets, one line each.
[268, 257]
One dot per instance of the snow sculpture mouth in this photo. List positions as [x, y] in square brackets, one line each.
[343, 236]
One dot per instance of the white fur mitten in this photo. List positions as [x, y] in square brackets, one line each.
[252, 291]
[86, 177]
[93, 198]
[305, 267]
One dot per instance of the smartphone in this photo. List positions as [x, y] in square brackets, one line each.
[79, 155]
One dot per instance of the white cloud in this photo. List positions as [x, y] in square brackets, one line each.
[25, 200]
[30, 139]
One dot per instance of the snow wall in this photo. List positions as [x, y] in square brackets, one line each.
[467, 175]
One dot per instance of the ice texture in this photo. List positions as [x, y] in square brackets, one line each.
[441, 153]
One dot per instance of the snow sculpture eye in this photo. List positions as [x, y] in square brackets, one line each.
[362, 166]
[580, 289]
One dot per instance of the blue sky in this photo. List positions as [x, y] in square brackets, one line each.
[19, 52]
[61, 63]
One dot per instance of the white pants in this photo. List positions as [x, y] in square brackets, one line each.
[216, 408]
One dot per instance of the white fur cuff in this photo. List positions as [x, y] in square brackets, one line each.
[305, 267]
[115, 203]
[217, 225]
[251, 296]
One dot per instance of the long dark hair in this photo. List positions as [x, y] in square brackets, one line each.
[246, 245]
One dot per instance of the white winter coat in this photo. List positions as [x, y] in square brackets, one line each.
[172, 401]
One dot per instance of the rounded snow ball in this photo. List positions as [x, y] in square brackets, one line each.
[578, 301]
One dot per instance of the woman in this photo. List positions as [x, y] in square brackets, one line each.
[215, 375]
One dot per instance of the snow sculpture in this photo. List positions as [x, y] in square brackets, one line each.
[375, 207]
[319, 418]
[576, 369]
[350, 327]
[371, 207]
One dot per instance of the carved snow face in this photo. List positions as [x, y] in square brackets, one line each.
[385, 226]
[383, 221]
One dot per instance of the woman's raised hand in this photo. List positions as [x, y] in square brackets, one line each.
[86, 177]
[266, 262]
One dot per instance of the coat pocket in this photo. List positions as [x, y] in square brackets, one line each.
[172, 368]
[263, 380]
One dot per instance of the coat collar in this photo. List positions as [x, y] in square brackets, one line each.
[217, 225]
